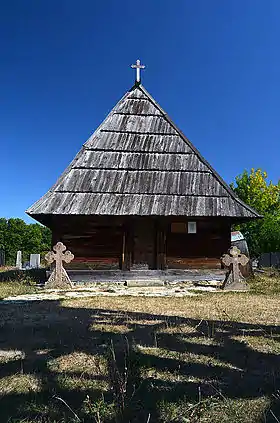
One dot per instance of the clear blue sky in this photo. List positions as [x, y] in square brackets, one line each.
[214, 66]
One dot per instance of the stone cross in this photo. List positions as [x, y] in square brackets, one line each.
[59, 278]
[138, 67]
[234, 279]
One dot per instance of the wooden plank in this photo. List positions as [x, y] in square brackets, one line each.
[112, 141]
[104, 159]
[211, 240]
[193, 263]
[114, 204]
[99, 246]
[128, 181]
[95, 260]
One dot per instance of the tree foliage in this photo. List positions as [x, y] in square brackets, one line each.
[255, 190]
[16, 235]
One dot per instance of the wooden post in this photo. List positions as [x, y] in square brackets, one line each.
[160, 246]
[123, 250]
[126, 248]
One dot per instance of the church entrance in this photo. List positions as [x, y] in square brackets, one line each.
[140, 245]
[143, 252]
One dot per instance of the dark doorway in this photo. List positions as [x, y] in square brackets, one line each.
[143, 244]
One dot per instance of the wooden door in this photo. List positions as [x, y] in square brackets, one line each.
[143, 244]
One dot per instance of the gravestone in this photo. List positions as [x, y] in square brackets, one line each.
[234, 279]
[270, 260]
[35, 261]
[59, 278]
[19, 260]
[238, 240]
[265, 260]
[275, 260]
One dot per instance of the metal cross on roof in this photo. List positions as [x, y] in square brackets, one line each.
[138, 66]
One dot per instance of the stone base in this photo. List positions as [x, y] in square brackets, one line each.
[54, 283]
[230, 285]
[140, 266]
[144, 282]
[167, 276]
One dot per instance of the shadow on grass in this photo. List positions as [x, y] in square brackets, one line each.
[157, 359]
[17, 275]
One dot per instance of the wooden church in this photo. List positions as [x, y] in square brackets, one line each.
[139, 195]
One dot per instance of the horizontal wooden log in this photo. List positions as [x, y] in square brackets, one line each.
[95, 260]
[193, 263]
[94, 263]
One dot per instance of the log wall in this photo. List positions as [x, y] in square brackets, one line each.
[95, 244]
[202, 249]
[143, 243]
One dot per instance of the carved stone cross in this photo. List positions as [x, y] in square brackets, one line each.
[59, 278]
[234, 280]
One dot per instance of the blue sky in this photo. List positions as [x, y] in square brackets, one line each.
[214, 66]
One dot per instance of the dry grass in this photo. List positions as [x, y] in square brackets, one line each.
[267, 283]
[210, 358]
[19, 384]
[16, 288]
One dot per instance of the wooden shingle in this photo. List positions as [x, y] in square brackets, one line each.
[139, 163]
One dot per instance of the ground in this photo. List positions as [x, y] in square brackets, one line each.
[212, 357]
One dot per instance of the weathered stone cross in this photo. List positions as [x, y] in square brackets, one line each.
[138, 66]
[233, 260]
[59, 278]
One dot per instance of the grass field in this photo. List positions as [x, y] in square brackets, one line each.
[208, 358]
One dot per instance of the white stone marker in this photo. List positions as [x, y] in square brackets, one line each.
[35, 261]
[19, 260]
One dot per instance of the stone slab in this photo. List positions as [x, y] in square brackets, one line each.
[56, 294]
[144, 282]
[35, 261]
[169, 276]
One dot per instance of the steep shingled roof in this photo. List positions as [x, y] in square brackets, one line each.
[139, 163]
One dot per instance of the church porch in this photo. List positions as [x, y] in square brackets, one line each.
[147, 277]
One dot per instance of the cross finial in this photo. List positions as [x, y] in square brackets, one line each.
[138, 66]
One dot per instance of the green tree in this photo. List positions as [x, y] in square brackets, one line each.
[3, 233]
[255, 190]
[16, 235]
[270, 233]
[46, 238]
[14, 238]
